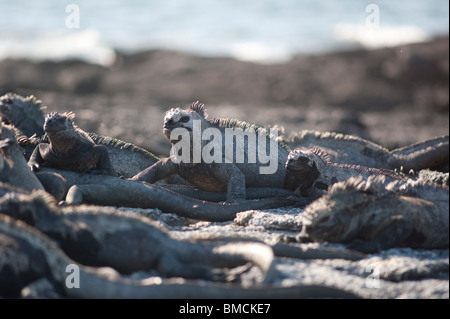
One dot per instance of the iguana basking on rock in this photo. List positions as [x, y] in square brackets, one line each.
[27, 255]
[224, 170]
[315, 172]
[348, 149]
[370, 216]
[70, 148]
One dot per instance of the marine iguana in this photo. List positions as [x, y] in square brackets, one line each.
[315, 172]
[225, 172]
[70, 148]
[99, 236]
[353, 150]
[13, 167]
[26, 114]
[28, 255]
[370, 216]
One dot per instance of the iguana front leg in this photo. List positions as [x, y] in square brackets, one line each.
[235, 180]
[36, 159]
[103, 166]
[161, 169]
[207, 174]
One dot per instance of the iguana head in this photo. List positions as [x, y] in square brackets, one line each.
[58, 123]
[300, 160]
[63, 134]
[5, 148]
[179, 118]
[4, 145]
[27, 207]
[306, 166]
[15, 109]
[339, 215]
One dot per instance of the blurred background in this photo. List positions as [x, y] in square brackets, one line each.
[377, 69]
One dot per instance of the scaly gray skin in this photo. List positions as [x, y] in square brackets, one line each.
[70, 148]
[33, 255]
[13, 167]
[25, 113]
[112, 191]
[315, 172]
[98, 236]
[290, 251]
[252, 192]
[370, 216]
[126, 158]
[228, 174]
[348, 149]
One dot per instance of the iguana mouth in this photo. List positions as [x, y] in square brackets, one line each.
[52, 129]
[296, 168]
[168, 131]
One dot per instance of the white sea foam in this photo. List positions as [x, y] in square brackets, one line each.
[383, 36]
[56, 46]
[260, 52]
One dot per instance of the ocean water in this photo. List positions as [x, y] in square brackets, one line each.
[266, 31]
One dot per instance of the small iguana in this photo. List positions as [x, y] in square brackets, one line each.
[70, 148]
[315, 172]
[31, 255]
[225, 172]
[370, 216]
[353, 150]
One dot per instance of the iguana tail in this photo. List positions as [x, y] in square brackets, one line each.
[431, 153]
[128, 193]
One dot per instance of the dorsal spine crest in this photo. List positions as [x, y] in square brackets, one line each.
[321, 154]
[199, 108]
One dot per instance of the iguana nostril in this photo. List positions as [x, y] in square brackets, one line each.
[184, 119]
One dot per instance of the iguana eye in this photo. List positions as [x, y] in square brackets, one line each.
[184, 119]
